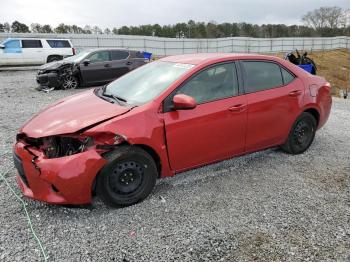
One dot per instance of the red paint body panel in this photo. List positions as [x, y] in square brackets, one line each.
[181, 139]
[271, 114]
[72, 176]
[197, 136]
[70, 115]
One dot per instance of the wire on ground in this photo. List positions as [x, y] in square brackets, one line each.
[30, 224]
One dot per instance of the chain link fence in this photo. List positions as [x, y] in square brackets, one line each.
[160, 46]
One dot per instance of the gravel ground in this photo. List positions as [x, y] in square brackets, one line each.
[267, 206]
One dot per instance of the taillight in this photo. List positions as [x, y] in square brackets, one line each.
[73, 50]
[328, 86]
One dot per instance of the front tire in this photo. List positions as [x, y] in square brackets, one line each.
[301, 135]
[70, 82]
[129, 177]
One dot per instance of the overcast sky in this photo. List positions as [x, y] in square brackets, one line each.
[115, 13]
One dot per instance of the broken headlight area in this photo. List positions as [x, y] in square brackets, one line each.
[59, 146]
[66, 145]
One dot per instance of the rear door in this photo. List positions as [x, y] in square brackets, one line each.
[216, 128]
[12, 53]
[274, 97]
[33, 51]
[59, 47]
[120, 63]
[98, 69]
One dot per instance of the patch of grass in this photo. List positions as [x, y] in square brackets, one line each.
[334, 65]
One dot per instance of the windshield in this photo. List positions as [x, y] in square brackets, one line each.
[78, 57]
[147, 82]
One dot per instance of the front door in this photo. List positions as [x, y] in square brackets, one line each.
[97, 70]
[215, 129]
[12, 53]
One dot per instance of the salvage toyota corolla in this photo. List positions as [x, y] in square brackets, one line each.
[175, 114]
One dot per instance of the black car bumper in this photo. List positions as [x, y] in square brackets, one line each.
[49, 80]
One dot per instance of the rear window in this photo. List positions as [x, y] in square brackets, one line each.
[58, 43]
[119, 55]
[31, 44]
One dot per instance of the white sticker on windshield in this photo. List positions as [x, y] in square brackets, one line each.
[185, 66]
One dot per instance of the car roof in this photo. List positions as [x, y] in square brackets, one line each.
[33, 38]
[201, 58]
[110, 49]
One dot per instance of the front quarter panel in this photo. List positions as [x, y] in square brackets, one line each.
[141, 126]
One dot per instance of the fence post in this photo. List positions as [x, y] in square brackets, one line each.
[164, 47]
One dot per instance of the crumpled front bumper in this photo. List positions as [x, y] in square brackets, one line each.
[64, 180]
[50, 79]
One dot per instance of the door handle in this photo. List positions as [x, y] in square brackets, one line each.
[107, 65]
[295, 93]
[237, 108]
[129, 63]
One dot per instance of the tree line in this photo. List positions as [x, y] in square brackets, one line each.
[324, 21]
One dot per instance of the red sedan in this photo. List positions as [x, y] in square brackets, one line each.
[175, 114]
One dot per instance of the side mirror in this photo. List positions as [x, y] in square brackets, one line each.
[183, 102]
[2, 46]
[86, 62]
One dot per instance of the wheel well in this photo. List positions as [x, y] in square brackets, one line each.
[314, 113]
[153, 154]
[59, 56]
[149, 150]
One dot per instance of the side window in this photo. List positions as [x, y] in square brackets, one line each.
[119, 55]
[31, 44]
[139, 55]
[12, 44]
[287, 77]
[101, 56]
[58, 43]
[214, 83]
[260, 76]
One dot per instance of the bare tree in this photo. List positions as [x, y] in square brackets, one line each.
[323, 17]
[96, 30]
[36, 28]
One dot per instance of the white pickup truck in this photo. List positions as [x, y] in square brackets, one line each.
[34, 51]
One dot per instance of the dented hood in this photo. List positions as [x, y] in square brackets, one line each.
[72, 114]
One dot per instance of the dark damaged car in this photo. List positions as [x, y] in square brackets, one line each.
[92, 67]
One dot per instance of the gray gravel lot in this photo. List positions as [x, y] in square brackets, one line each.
[267, 206]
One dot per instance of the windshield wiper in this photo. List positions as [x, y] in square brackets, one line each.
[115, 97]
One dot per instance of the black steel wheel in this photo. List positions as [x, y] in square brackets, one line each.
[128, 177]
[70, 82]
[301, 135]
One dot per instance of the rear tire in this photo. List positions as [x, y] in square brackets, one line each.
[128, 178]
[301, 135]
